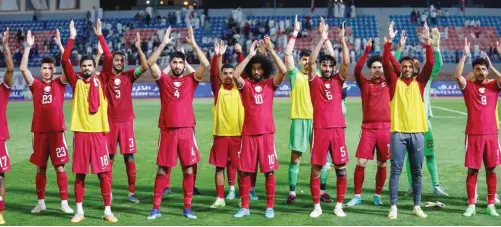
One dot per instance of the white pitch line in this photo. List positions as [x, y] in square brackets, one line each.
[450, 110]
[449, 117]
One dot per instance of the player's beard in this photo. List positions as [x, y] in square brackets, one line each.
[118, 68]
[257, 79]
[327, 75]
[176, 74]
[87, 73]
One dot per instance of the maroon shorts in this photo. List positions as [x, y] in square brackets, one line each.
[49, 144]
[90, 147]
[258, 148]
[122, 133]
[482, 147]
[329, 140]
[224, 149]
[374, 139]
[4, 157]
[174, 143]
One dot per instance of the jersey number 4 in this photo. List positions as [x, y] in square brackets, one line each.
[176, 93]
[46, 99]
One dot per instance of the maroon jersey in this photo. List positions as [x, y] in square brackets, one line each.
[48, 100]
[176, 96]
[481, 102]
[326, 97]
[119, 96]
[375, 100]
[4, 98]
[257, 99]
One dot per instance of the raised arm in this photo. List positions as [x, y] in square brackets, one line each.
[71, 77]
[389, 73]
[98, 54]
[312, 69]
[58, 41]
[204, 62]
[189, 68]
[343, 68]
[61, 50]
[494, 70]
[142, 57]
[359, 76]
[425, 74]
[241, 67]
[401, 45]
[289, 58]
[460, 80]
[435, 42]
[30, 40]
[152, 61]
[214, 65]
[240, 55]
[8, 78]
[108, 58]
[279, 76]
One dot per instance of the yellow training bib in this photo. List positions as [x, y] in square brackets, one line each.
[407, 108]
[228, 113]
[81, 119]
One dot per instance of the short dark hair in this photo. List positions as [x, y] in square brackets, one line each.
[304, 52]
[227, 66]
[177, 54]
[327, 57]
[266, 64]
[372, 59]
[406, 59]
[48, 59]
[480, 61]
[119, 53]
[86, 58]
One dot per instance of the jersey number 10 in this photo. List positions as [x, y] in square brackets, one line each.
[258, 99]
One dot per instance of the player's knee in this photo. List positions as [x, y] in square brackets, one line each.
[315, 171]
[59, 168]
[42, 170]
[362, 162]
[129, 158]
[295, 157]
[490, 170]
[267, 174]
[341, 172]
[219, 169]
[473, 171]
[162, 171]
[188, 170]
[381, 164]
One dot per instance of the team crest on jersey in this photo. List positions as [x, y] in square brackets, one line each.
[117, 81]
[383, 84]
[258, 89]
[328, 86]
[481, 90]
[46, 89]
[177, 84]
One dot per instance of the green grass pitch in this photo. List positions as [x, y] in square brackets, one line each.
[449, 144]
